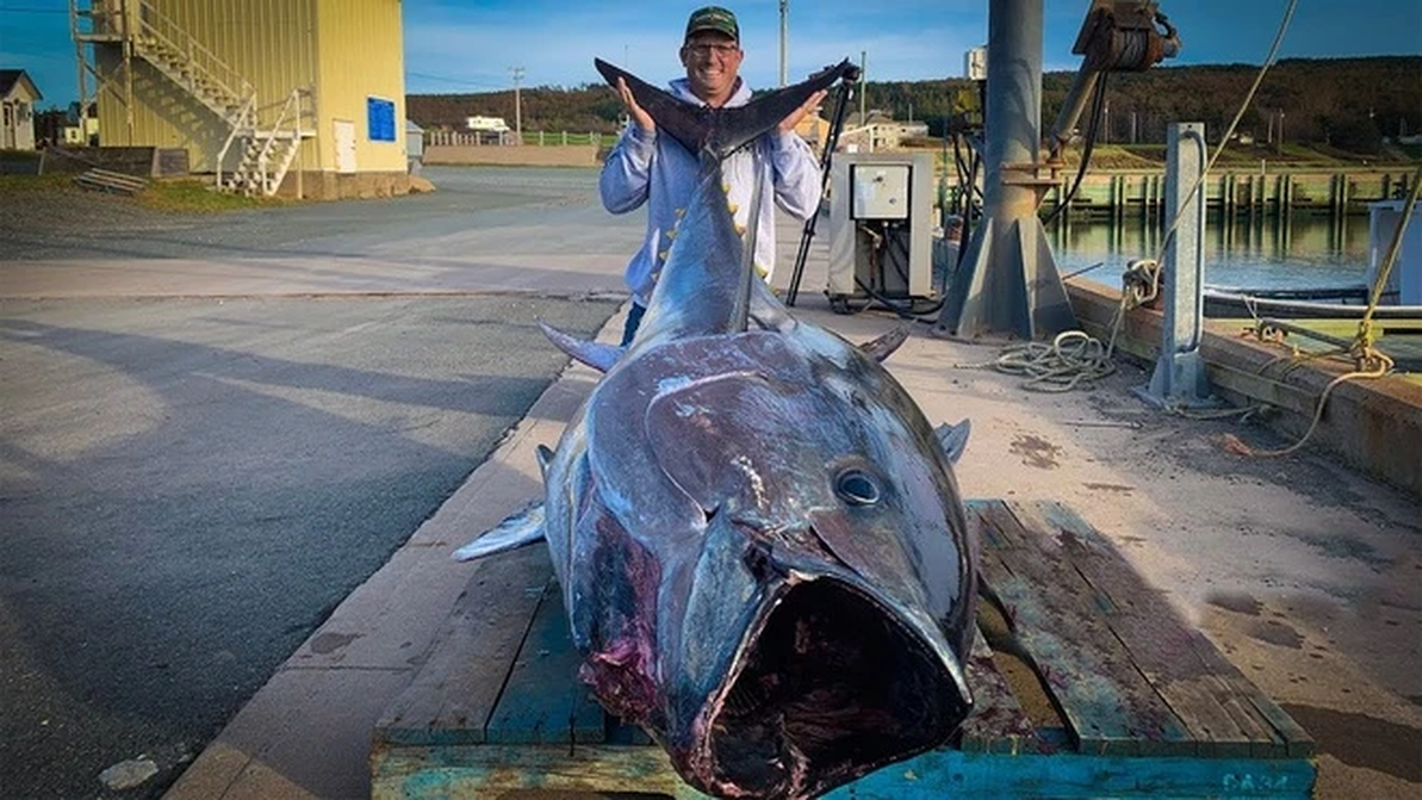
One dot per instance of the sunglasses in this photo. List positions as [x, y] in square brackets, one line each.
[704, 50]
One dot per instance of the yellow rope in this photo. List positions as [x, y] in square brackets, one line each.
[1366, 338]
[1234, 444]
[1369, 362]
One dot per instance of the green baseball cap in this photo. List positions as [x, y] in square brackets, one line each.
[713, 18]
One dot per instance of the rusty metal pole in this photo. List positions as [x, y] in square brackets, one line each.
[1008, 284]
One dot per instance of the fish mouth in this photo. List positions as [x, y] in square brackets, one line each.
[830, 685]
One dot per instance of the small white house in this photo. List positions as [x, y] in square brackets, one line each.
[18, 96]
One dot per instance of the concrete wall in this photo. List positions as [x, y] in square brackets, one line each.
[327, 185]
[1374, 425]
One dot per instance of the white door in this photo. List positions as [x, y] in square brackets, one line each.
[345, 146]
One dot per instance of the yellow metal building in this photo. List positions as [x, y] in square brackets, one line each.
[294, 95]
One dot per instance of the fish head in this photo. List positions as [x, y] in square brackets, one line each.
[820, 631]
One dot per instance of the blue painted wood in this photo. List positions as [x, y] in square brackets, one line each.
[1068, 592]
[543, 702]
[950, 773]
[451, 697]
[490, 770]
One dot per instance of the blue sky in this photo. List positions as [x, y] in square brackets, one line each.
[454, 46]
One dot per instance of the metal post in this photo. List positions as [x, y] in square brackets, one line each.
[784, 40]
[1179, 380]
[863, 84]
[1007, 283]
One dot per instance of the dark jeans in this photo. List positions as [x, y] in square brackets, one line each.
[634, 318]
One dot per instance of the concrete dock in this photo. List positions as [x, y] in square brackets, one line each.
[1303, 570]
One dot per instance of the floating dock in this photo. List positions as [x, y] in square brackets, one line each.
[1088, 684]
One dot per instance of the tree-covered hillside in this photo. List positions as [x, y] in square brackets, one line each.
[1350, 103]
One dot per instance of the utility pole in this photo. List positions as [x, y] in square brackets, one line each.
[784, 39]
[517, 73]
[863, 84]
[1007, 282]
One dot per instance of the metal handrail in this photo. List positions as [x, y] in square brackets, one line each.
[170, 34]
[246, 115]
[291, 100]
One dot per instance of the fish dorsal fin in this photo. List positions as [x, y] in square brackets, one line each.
[953, 439]
[884, 346]
[722, 131]
[597, 355]
[523, 527]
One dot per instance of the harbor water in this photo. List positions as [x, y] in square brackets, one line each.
[1299, 251]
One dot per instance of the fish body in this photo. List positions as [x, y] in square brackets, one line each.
[759, 539]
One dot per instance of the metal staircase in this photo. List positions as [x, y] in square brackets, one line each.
[266, 151]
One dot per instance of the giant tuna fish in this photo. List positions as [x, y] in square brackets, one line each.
[760, 542]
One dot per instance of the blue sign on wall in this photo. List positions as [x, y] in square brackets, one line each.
[380, 118]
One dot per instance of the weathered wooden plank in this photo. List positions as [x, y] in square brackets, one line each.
[543, 701]
[995, 524]
[1057, 616]
[489, 770]
[1089, 625]
[1215, 700]
[451, 697]
[998, 723]
[1157, 639]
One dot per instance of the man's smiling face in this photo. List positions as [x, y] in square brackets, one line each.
[712, 61]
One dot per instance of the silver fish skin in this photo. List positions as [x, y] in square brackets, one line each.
[760, 541]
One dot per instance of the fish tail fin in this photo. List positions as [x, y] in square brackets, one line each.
[720, 131]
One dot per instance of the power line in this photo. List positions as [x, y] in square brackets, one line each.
[444, 79]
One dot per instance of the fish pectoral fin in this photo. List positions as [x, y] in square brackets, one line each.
[953, 439]
[523, 527]
[597, 355]
[884, 346]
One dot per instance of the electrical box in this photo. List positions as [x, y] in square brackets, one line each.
[881, 226]
[1404, 283]
[879, 191]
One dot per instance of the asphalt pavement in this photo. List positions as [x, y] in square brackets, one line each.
[214, 430]
[236, 452]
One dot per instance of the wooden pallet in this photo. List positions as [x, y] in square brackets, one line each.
[103, 180]
[1096, 688]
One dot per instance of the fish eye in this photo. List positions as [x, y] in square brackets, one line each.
[857, 487]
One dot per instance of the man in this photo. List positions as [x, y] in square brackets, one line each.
[645, 167]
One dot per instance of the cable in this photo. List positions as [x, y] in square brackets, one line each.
[1098, 102]
[1229, 132]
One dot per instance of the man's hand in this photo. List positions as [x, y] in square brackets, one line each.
[644, 120]
[788, 124]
